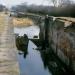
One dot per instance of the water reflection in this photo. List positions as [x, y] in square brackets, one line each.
[30, 31]
[49, 60]
[51, 63]
[54, 64]
[38, 62]
[22, 44]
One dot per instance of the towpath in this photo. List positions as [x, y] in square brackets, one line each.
[8, 54]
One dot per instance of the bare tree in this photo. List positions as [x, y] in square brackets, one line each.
[65, 2]
[57, 3]
[54, 2]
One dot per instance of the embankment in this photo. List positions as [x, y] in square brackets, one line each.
[61, 37]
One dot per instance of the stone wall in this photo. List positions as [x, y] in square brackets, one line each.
[61, 39]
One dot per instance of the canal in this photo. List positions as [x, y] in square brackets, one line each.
[37, 62]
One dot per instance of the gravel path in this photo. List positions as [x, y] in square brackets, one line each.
[8, 53]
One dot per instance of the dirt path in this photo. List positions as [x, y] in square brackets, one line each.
[8, 55]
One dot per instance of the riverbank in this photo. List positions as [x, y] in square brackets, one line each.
[2, 22]
[62, 39]
[22, 22]
[8, 54]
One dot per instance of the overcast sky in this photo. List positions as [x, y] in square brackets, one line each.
[10, 3]
[15, 2]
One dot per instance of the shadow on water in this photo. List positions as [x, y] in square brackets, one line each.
[51, 61]
[30, 63]
[35, 61]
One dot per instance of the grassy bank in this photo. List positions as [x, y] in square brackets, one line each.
[21, 22]
[2, 23]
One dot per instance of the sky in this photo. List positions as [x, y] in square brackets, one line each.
[10, 3]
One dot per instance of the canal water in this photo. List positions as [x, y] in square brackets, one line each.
[30, 31]
[32, 63]
[37, 62]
